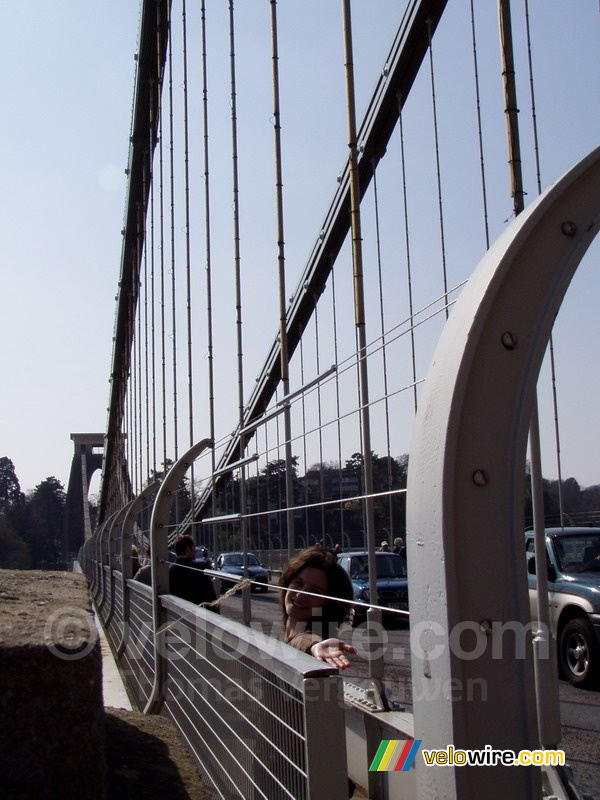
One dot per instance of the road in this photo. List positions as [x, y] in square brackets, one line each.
[579, 708]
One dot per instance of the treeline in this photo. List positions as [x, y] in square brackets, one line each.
[31, 526]
[570, 506]
[326, 499]
[327, 502]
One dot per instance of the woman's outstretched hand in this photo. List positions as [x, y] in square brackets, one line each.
[332, 652]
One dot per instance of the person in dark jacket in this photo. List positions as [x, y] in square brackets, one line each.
[186, 579]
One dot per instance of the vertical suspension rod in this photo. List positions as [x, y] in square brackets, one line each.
[511, 110]
[438, 167]
[479, 127]
[172, 221]
[209, 308]
[152, 112]
[551, 342]
[284, 359]
[375, 667]
[147, 179]
[383, 350]
[161, 206]
[188, 256]
[140, 452]
[238, 306]
[413, 351]
[337, 401]
[546, 683]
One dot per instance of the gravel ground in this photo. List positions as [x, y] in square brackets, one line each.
[146, 757]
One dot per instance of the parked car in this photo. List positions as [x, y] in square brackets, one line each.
[392, 583]
[573, 563]
[233, 563]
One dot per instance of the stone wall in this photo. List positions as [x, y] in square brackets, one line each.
[51, 710]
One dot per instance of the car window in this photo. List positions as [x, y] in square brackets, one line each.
[233, 560]
[358, 567]
[578, 553]
[530, 547]
[390, 566]
[252, 560]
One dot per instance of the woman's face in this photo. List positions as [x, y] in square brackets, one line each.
[300, 607]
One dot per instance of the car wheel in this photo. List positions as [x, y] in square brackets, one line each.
[579, 653]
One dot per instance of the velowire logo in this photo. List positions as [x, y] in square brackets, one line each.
[395, 755]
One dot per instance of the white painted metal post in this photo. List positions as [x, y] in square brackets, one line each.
[159, 557]
[471, 641]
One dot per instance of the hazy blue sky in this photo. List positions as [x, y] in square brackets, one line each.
[67, 88]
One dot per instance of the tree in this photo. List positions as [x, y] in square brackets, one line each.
[12, 498]
[45, 516]
[14, 553]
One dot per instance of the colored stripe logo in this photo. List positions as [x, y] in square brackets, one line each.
[395, 755]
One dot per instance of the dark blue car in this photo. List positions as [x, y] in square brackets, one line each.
[233, 563]
[392, 583]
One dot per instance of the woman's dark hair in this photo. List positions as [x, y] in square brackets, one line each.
[338, 582]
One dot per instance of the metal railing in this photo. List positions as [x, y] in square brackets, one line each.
[262, 719]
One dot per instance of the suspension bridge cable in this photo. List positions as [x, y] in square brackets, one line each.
[304, 446]
[207, 233]
[133, 373]
[511, 110]
[162, 267]
[383, 341]
[536, 147]
[172, 221]
[152, 284]
[146, 362]
[539, 189]
[319, 412]
[437, 164]
[549, 721]
[236, 224]
[359, 302]
[238, 296]
[140, 428]
[337, 396]
[129, 413]
[284, 360]
[268, 487]
[408, 252]
[188, 256]
[479, 128]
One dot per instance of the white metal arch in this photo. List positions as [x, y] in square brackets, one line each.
[465, 495]
[159, 555]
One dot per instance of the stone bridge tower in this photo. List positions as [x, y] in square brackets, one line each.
[89, 451]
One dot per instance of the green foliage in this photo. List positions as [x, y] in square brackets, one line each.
[44, 522]
[12, 498]
[14, 553]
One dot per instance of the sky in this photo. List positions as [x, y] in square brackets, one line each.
[67, 88]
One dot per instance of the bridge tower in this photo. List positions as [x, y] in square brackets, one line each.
[87, 458]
